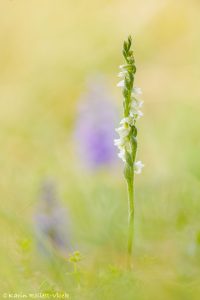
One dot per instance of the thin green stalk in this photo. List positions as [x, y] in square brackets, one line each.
[130, 184]
[131, 195]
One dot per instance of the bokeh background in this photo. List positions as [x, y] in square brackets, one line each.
[49, 51]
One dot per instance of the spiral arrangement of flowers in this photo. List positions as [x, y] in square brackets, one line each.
[127, 141]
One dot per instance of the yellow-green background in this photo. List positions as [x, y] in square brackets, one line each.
[48, 49]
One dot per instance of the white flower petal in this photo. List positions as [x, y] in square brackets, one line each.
[136, 103]
[122, 67]
[137, 91]
[119, 143]
[122, 144]
[124, 121]
[138, 167]
[123, 132]
[127, 121]
[139, 114]
[120, 84]
[121, 155]
[136, 114]
[122, 74]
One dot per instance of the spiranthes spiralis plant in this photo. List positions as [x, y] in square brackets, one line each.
[127, 142]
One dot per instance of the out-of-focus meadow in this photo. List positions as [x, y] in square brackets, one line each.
[48, 52]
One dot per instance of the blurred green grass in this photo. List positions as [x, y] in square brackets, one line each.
[48, 50]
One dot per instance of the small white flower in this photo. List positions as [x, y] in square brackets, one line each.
[137, 91]
[119, 143]
[138, 167]
[136, 103]
[123, 132]
[135, 111]
[139, 114]
[120, 84]
[123, 67]
[122, 143]
[136, 114]
[121, 155]
[122, 74]
[128, 121]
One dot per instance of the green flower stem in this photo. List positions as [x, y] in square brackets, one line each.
[131, 195]
[130, 184]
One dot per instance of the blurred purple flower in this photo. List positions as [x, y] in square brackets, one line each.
[51, 222]
[95, 128]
